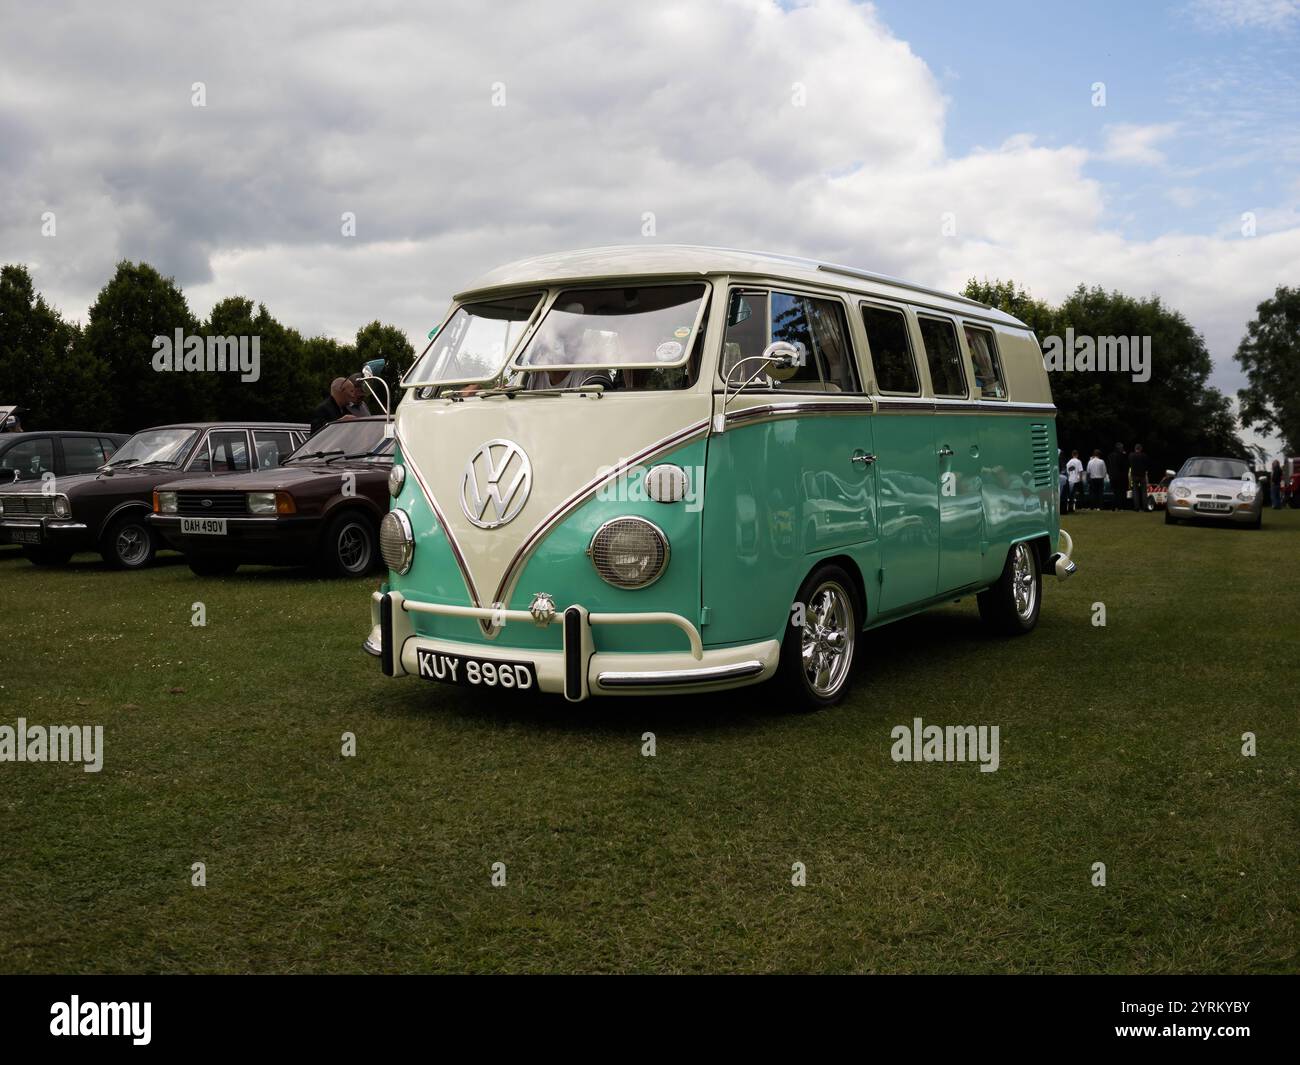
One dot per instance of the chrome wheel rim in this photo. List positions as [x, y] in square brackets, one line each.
[827, 638]
[132, 545]
[1023, 586]
[354, 548]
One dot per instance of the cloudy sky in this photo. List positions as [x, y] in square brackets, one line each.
[463, 135]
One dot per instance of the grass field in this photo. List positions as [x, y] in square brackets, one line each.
[1119, 745]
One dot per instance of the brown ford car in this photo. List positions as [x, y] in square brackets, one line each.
[321, 507]
[108, 510]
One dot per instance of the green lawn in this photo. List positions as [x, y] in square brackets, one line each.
[1119, 744]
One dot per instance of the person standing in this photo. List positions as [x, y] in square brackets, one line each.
[1074, 471]
[334, 406]
[1138, 466]
[1275, 484]
[1117, 468]
[1096, 479]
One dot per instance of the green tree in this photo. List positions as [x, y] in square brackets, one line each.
[1270, 355]
[387, 342]
[1174, 414]
[137, 305]
[40, 363]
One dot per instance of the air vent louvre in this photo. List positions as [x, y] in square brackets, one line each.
[1040, 442]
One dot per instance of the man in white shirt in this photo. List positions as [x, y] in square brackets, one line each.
[1074, 473]
[1096, 480]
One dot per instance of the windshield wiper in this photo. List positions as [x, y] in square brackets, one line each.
[358, 455]
[153, 462]
[313, 455]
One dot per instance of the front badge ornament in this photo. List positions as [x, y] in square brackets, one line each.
[498, 478]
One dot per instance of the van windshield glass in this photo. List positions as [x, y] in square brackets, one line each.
[475, 342]
[625, 332]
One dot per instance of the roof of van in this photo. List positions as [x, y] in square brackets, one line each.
[650, 260]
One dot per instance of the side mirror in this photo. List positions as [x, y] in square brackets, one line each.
[373, 368]
[781, 360]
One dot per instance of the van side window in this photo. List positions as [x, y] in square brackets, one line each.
[817, 328]
[944, 357]
[891, 350]
[984, 360]
[746, 335]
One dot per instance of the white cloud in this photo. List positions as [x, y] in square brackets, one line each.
[1127, 143]
[1245, 14]
[687, 111]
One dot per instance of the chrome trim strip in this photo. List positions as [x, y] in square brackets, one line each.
[442, 521]
[515, 567]
[900, 404]
[668, 678]
[797, 409]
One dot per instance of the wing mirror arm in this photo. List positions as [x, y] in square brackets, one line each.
[776, 356]
[369, 377]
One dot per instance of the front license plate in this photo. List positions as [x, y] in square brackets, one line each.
[1214, 506]
[24, 534]
[475, 672]
[204, 526]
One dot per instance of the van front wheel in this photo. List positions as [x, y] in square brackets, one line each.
[1011, 605]
[821, 637]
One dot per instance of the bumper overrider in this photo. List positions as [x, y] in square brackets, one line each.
[578, 670]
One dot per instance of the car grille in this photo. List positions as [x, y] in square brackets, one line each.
[32, 504]
[217, 503]
[1209, 495]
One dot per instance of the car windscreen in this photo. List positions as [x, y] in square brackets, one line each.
[358, 439]
[475, 342]
[1228, 469]
[162, 447]
[612, 328]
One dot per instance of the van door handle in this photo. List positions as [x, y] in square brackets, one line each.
[945, 452]
[864, 457]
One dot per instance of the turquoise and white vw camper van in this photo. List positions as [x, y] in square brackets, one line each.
[653, 470]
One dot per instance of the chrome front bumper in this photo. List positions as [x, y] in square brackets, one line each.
[579, 670]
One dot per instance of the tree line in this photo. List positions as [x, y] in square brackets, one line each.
[1176, 413]
[101, 375]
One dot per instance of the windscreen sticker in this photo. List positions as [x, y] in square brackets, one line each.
[668, 351]
[683, 332]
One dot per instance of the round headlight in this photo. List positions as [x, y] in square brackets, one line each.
[629, 552]
[396, 478]
[396, 542]
[1181, 491]
[62, 508]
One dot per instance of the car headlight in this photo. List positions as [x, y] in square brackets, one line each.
[62, 508]
[1181, 491]
[2, 508]
[166, 503]
[629, 552]
[397, 542]
[1247, 493]
[396, 478]
[271, 503]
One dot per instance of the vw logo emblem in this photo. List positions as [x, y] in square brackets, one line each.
[498, 478]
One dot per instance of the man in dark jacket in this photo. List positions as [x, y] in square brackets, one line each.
[1117, 471]
[334, 406]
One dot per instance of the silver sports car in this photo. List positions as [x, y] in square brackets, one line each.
[1215, 490]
